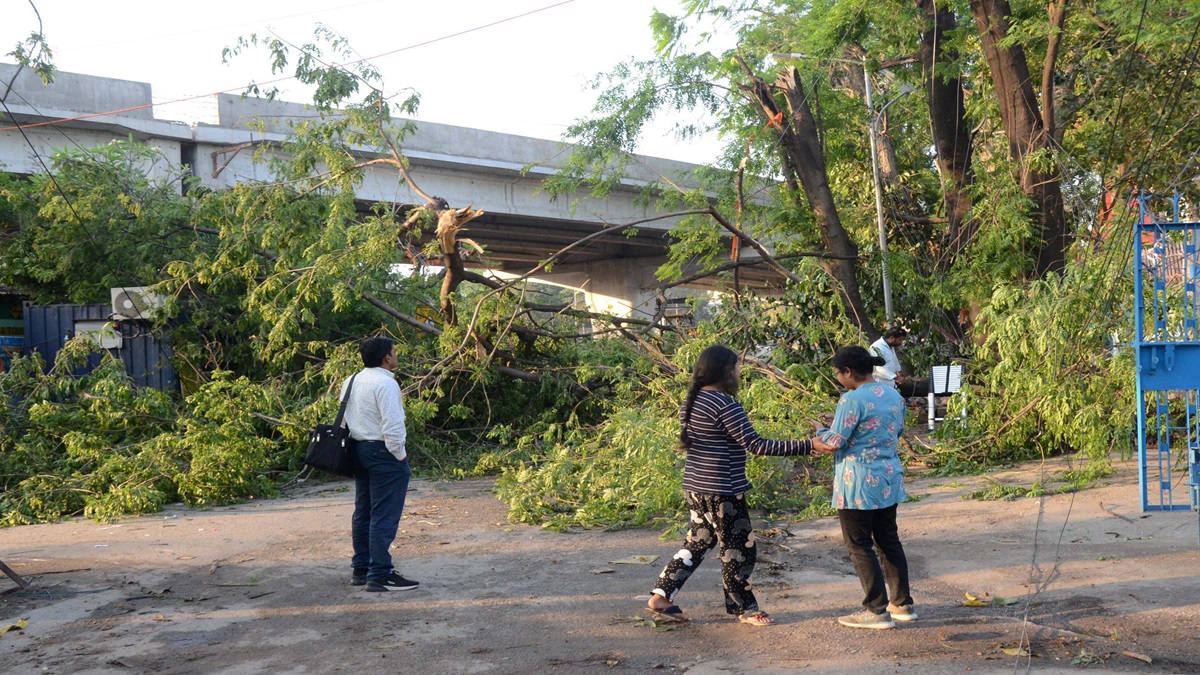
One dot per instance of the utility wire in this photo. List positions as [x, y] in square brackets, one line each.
[1037, 581]
[1112, 137]
[286, 77]
[1112, 256]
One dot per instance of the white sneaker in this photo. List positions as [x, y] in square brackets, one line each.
[902, 613]
[867, 619]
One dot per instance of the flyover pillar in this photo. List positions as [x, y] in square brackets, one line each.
[626, 287]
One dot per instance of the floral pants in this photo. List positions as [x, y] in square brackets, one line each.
[716, 519]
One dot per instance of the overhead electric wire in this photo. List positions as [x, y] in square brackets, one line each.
[1188, 58]
[86, 151]
[1037, 581]
[1121, 101]
[1141, 164]
[1112, 255]
[286, 77]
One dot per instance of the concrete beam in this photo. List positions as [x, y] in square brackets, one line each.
[78, 93]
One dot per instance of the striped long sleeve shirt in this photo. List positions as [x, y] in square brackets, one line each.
[720, 435]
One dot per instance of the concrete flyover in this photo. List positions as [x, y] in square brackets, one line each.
[499, 173]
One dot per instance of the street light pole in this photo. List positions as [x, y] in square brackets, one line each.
[905, 90]
[887, 280]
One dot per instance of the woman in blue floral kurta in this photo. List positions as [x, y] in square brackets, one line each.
[868, 483]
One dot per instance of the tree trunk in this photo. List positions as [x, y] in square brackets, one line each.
[1024, 128]
[951, 133]
[802, 151]
[1058, 18]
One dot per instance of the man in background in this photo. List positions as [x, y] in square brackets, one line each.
[890, 373]
[375, 417]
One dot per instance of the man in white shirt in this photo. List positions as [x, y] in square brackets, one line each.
[886, 346]
[889, 373]
[375, 417]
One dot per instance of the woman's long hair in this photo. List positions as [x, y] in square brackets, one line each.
[857, 360]
[715, 366]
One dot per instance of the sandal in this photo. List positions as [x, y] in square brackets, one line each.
[671, 613]
[757, 619]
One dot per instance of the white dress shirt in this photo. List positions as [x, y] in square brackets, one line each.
[886, 374]
[375, 411]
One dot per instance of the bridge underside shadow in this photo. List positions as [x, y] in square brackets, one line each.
[614, 271]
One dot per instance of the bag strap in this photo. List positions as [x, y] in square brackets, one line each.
[345, 399]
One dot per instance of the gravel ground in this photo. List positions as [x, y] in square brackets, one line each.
[263, 587]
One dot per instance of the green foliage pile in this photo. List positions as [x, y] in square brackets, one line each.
[626, 470]
[99, 446]
[626, 473]
[1050, 376]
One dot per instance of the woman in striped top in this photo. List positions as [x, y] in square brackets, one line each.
[717, 435]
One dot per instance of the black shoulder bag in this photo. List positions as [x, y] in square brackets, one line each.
[330, 447]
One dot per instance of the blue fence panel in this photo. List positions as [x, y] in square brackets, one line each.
[146, 357]
[1167, 350]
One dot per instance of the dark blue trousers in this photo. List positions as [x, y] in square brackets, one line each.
[380, 485]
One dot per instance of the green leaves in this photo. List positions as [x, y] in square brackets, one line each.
[34, 52]
[625, 470]
[101, 223]
[100, 447]
[1048, 378]
[78, 445]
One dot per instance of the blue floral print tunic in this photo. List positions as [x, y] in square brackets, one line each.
[867, 471]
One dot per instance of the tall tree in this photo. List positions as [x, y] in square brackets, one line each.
[1029, 142]
[804, 159]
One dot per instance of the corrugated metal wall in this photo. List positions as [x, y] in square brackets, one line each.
[48, 327]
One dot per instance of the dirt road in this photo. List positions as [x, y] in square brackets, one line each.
[263, 587]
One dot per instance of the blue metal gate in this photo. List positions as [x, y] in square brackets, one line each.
[1167, 345]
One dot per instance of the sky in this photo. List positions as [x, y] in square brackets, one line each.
[525, 75]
